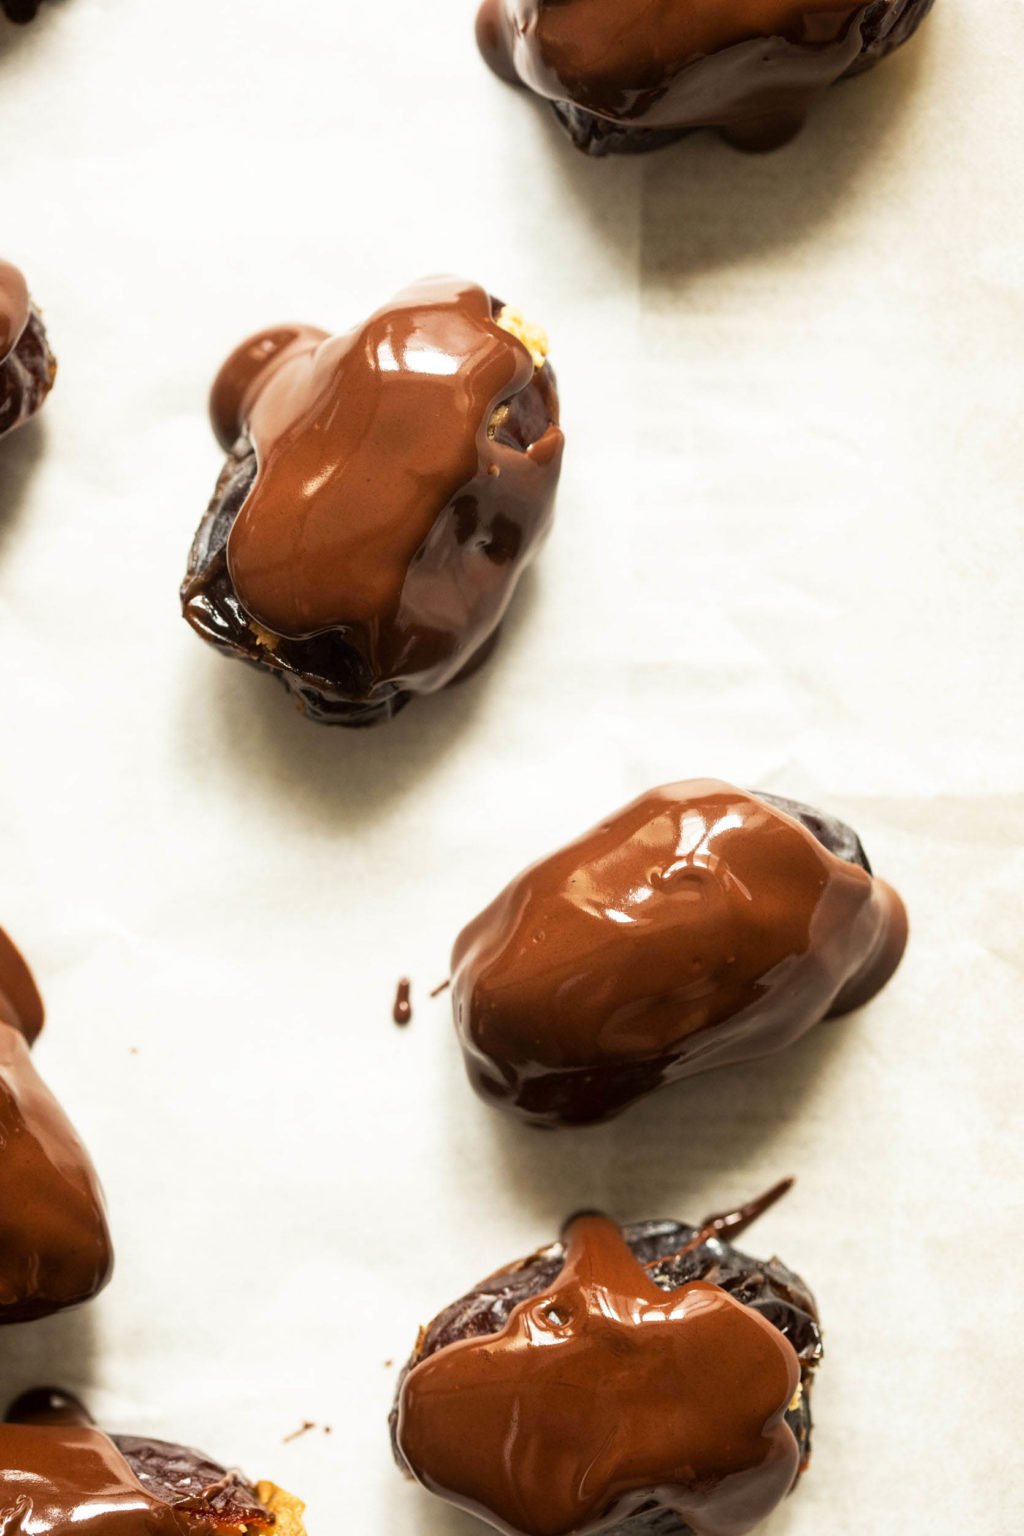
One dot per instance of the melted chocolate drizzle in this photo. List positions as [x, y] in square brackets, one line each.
[729, 1224]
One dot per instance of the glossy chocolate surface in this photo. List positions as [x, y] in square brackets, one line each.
[20, 1002]
[609, 1381]
[14, 308]
[631, 74]
[244, 375]
[55, 1249]
[699, 926]
[385, 491]
[60, 1476]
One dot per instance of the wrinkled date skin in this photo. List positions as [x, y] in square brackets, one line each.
[26, 376]
[202, 1491]
[698, 927]
[756, 88]
[422, 610]
[771, 1289]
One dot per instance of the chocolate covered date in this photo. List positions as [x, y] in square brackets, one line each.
[59, 1473]
[699, 926]
[383, 493]
[648, 1378]
[55, 1249]
[27, 366]
[630, 75]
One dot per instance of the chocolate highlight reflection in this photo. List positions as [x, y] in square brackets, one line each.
[383, 494]
[632, 75]
[643, 1378]
[698, 926]
[27, 366]
[55, 1249]
[60, 1474]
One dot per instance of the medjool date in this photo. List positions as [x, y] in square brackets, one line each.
[383, 493]
[648, 1379]
[699, 926]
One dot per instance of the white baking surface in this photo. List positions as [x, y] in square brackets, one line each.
[784, 554]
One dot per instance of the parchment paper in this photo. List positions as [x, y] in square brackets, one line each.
[786, 553]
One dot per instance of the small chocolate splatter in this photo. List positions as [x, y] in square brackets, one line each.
[402, 1011]
[442, 988]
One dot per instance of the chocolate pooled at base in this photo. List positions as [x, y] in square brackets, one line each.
[626, 77]
[697, 927]
[60, 1474]
[383, 493]
[55, 1248]
[27, 366]
[648, 1394]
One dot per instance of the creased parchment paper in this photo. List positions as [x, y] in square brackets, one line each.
[786, 553]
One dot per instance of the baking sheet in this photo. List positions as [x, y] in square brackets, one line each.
[785, 553]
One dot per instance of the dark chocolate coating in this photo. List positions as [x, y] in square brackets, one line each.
[756, 94]
[771, 1289]
[26, 375]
